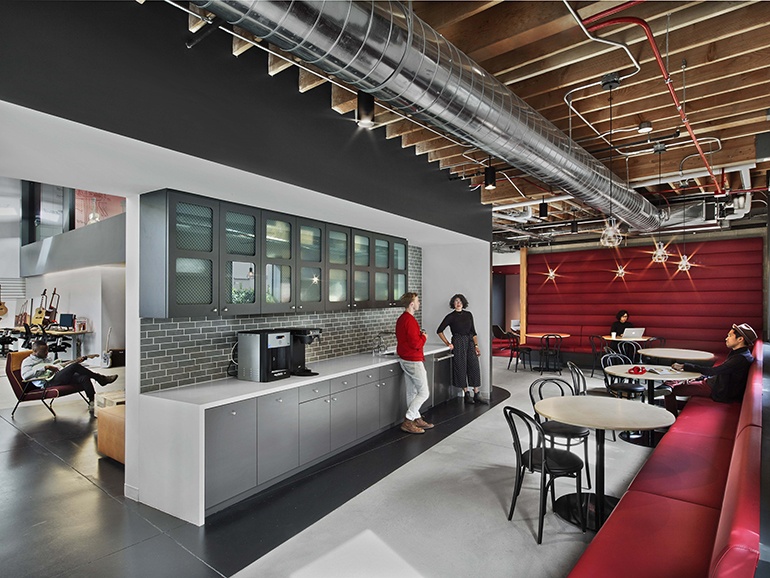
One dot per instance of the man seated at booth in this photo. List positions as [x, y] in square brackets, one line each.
[725, 382]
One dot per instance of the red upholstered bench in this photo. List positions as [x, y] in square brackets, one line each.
[696, 500]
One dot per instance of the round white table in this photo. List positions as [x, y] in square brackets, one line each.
[691, 355]
[599, 413]
[652, 374]
[621, 338]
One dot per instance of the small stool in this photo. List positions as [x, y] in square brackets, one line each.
[111, 433]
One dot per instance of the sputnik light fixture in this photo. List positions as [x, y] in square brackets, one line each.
[684, 262]
[620, 271]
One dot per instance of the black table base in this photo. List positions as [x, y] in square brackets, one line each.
[567, 508]
[648, 439]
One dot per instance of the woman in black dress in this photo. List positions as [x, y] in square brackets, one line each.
[465, 346]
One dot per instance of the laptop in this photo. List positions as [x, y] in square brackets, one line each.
[633, 333]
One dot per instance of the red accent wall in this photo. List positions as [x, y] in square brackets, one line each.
[692, 309]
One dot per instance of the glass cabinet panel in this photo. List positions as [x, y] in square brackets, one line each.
[361, 251]
[277, 239]
[399, 256]
[310, 244]
[310, 285]
[338, 248]
[277, 283]
[194, 227]
[381, 253]
[239, 282]
[240, 234]
[361, 286]
[338, 285]
[194, 281]
[399, 285]
[381, 286]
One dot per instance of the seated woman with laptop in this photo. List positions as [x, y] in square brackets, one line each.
[621, 323]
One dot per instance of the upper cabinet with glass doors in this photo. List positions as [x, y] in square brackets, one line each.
[379, 269]
[202, 257]
[198, 256]
[293, 264]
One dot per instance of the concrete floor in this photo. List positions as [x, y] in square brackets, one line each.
[444, 513]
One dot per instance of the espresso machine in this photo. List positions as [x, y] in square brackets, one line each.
[264, 354]
[300, 338]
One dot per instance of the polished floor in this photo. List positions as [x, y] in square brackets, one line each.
[62, 510]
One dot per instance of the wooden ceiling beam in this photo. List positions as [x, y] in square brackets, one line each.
[239, 44]
[433, 145]
[310, 79]
[583, 66]
[278, 60]
[441, 15]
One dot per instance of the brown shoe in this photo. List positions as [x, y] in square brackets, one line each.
[410, 427]
[419, 422]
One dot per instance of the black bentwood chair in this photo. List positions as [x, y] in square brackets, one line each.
[555, 387]
[532, 455]
[618, 386]
[598, 345]
[522, 352]
[550, 353]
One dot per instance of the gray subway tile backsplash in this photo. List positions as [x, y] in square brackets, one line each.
[183, 351]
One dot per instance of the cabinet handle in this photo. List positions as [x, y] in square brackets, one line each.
[300, 307]
[233, 412]
[215, 310]
[279, 400]
[379, 385]
[315, 391]
[293, 307]
[225, 309]
[329, 400]
[344, 383]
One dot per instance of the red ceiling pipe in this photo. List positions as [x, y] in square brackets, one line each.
[611, 11]
[667, 78]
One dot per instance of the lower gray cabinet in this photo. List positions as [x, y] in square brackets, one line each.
[231, 463]
[277, 434]
[368, 408]
[314, 429]
[390, 401]
[343, 418]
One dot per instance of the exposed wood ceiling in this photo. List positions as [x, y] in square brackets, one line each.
[717, 55]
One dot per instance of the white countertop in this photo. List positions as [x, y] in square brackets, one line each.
[229, 390]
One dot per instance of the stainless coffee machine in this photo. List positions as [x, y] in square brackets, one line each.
[299, 339]
[264, 354]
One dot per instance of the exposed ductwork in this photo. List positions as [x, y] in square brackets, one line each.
[382, 48]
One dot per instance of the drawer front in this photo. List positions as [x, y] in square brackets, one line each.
[344, 382]
[392, 370]
[313, 391]
[368, 376]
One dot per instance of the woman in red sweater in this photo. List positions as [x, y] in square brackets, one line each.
[410, 342]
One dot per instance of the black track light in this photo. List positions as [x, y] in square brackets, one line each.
[543, 209]
[490, 178]
[365, 110]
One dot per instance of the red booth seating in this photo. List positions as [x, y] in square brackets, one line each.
[693, 509]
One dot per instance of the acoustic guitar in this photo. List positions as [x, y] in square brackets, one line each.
[48, 374]
[53, 308]
[39, 314]
[3, 308]
[22, 316]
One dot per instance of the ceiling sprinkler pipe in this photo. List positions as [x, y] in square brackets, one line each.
[667, 78]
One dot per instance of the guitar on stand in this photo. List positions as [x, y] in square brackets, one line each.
[107, 354]
[21, 316]
[3, 308]
[53, 307]
[39, 315]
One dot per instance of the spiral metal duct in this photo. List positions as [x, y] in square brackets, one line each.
[382, 48]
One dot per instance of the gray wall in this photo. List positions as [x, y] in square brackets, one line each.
[123, 67]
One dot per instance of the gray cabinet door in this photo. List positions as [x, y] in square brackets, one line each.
[277, 434]
[442, 377]
[230, 460]
[314, 429]
[368, 408]
[343, 418]
[390, 406]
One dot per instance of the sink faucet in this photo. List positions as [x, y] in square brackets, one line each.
[378, 345]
